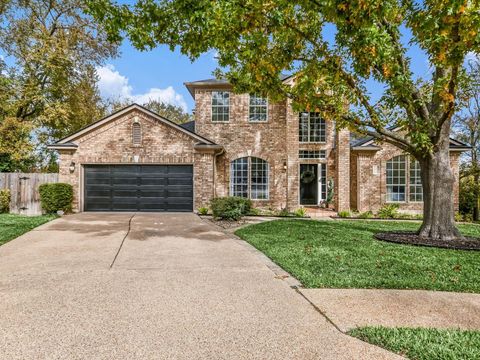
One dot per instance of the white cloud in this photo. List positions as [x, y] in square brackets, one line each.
[112, 84]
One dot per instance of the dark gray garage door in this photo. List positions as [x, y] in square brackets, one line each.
[138, 188]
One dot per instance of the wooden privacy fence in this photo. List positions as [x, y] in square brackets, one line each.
[23, 187]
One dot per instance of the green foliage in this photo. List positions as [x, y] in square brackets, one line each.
[203, 210]
[230, 207]
[350, 257]
[458, 217]
[12, 225]
[301, 212]
[469, 190]
[344, 214]
[55, 197]
[423, 344]
[330, 191]
[254, 212]
[49, 88]
[4, 200]
[388, 211]
[283, 212]
[366, 215]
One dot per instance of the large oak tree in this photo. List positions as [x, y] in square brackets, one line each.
[257, 40]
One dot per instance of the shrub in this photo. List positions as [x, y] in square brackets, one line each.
[301, 212]
[203, 210]
[4, 200]
[55, 197]
[230, 207]
[344, 214]
[254, 212]
[283, 212]
[388, 211]
[366, 215]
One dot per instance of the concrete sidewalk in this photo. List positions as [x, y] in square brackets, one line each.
[351, 308]
[154, 286]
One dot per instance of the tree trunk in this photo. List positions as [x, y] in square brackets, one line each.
[438, 182]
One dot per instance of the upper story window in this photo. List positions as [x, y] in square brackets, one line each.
[249, 178]
[312, 154]
[397, 183]
[220, 106]
[312, 128]
[136, 134]
[258, 109]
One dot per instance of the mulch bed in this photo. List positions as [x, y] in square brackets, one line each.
[226, 224]
[411, 238]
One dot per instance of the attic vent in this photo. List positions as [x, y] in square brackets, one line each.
[136, 134]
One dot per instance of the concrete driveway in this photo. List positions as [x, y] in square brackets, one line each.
[154, 286]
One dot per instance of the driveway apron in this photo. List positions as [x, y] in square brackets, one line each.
[154, 286]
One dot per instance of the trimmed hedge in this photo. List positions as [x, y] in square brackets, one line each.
[55, 197]
[230, 207]
[4, 201]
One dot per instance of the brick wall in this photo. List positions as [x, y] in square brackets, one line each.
[161, 144]
[369, 187]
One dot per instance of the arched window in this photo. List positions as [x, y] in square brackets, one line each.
[397, 181]
[136, 134]
[249, 178]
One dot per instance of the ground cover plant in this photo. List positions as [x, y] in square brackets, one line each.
[344, 254]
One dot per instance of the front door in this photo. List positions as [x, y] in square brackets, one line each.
[308, 184]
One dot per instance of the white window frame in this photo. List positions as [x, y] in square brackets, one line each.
[414, 170]
[309, 128]
[249, 178]
[212, 106]
[396, 160]
[250, 106]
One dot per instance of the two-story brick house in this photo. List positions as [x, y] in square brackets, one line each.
[239, 144]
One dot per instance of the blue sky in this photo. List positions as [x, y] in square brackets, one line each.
[161, 73]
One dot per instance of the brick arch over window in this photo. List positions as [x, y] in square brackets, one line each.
[403, 180]
[249, 178]
[136, 133]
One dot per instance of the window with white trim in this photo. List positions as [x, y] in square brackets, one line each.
[220, 106]
[136, 134]
[249, 178]
[312, 128]
[396, 179]
[415, 186]
[312, 154]
[258, 108]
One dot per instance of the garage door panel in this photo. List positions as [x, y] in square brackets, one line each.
[139, 188]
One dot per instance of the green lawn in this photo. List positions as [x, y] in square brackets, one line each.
[424, 344]
[343, 254]
[12, 226]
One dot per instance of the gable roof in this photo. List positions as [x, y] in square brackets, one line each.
[368, 142]
[190, 126]
[217, 82]
[66, 142]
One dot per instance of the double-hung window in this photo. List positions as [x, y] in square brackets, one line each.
[249, 178]
[312, 128]
[396, 179]
[258, 108]
[416, 189]
[220, 106]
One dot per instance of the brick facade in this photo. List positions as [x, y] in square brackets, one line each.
[358, 175]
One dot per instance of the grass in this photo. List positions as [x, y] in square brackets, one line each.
[344, 254]
[12, 226]
[424, 344]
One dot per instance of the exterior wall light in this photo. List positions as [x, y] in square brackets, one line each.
[71, 167]
[285, 165]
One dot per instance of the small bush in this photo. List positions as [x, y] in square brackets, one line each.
[301, 212]
[283, 212]
[4, 200]
[254, 212]
[365, 215]
[468, 217]
[230, 207]
[344, 214]
[388, 211]
[203, 210]
[55, 197]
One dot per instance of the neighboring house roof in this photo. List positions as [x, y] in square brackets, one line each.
[190, 126]
[217, 82]
[368, 143]
[66, 143]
